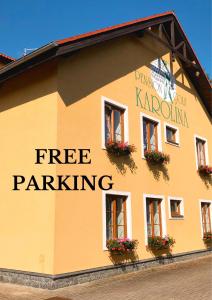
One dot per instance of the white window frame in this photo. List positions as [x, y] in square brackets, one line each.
[163, 215]
[177, 135]
[181, 207]
[142, 116]
[206, 149]
[126, 126]
[128, 213]
[200, 210]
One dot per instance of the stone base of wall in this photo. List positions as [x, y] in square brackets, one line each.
[46, 281]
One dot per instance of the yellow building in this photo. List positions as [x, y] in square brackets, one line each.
[71, 114]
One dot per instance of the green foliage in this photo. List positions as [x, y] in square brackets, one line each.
[119, 148]
[156, 157]
[121, 245]
[205, 170]
[160, 243]
[207, 236]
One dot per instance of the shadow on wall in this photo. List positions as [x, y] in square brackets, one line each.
[158, 170]
[208, 244]
[207, 180]
[161, 255]
[29, 86]
[123, 163]
[95, 67]
[121, 259]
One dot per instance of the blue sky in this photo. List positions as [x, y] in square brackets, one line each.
[33, 23]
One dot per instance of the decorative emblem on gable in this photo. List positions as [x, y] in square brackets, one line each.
[163, 80]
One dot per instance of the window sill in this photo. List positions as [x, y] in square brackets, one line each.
[173, 144]
[177, 218]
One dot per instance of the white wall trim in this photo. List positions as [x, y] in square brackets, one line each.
[177, 134]
[128, 211]
[200, 211]
[181, 207]
[206, 149]
[126, 126]
[163, 214]
[143, 115]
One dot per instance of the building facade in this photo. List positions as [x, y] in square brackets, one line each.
[138, 83]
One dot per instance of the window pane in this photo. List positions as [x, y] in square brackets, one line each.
[170, 134]
[119, 211]
[109, 218]
[145, 134]
[157, 230]
[117, 126]
[109, 233]
[148, 215]
[207, 218]
[149, 230]
[208, 228]
[152, 137]
[120, 233]
[172, 206]
[107, 124]
[156, 209]
[200, 152]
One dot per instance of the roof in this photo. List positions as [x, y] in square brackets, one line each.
[5, 58]
[176, 41]
[110, 28]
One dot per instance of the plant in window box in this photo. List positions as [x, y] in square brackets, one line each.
[160, 243]
[120, 148]
[156, 157]
[121, 246]
[207, 237]
[205, 170]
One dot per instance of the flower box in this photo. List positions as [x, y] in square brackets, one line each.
[160, 243]
[207, 237]
[119, 148]
[156, 157]
[121, 246]
[205, 170]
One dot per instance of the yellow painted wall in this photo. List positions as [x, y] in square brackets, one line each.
[60, 107]
[28, 120]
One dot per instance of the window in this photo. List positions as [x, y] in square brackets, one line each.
[171, 134]
[150, 137]
[150, 134]
[114, 122]
[201, 151]
[200, 147]
[116, 225]
[206, 219]
[116, 215]
[154, 216]
[176, 207]
[153, 211]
